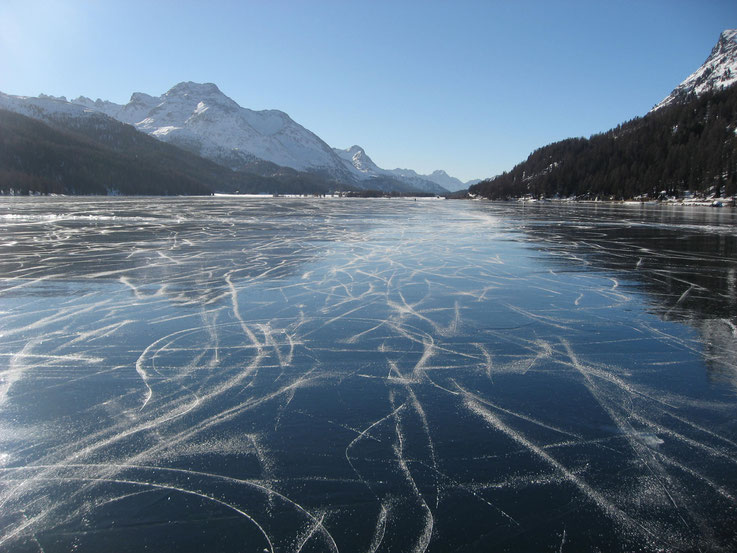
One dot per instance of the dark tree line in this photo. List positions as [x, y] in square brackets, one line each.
[684, 147]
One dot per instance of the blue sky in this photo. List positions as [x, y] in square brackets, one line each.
[471, 87]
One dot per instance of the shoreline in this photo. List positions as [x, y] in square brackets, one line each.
[700, 202]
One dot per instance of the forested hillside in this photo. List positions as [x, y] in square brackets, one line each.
[35, 157]
[676, 149]
[98, 155]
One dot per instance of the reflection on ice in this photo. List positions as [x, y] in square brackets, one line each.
[365, 375]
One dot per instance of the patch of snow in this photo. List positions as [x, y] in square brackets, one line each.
[161, 132]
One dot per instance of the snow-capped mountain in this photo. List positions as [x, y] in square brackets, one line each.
[358, 159]
[201, 119]
[439, 177]
[717, 72]
[438, 182]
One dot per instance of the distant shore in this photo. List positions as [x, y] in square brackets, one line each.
[695, 202]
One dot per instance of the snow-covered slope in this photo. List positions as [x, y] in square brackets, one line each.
[717, 72]
[358, 159]
[199, 117]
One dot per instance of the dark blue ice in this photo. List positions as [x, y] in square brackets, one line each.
[289, 375]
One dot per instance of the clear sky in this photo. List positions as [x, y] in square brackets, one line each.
[471, 87]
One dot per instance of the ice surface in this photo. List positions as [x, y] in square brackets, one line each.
[221, 374]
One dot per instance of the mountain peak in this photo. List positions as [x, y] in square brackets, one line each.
[727, 39]
[189, 88]
[54, 98]
[358, 159]
[717, 72]
[355, 149]
[141, 98]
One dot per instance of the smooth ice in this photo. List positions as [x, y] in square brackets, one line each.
[292, 375]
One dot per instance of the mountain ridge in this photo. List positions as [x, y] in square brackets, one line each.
[200, 118]
[359, 160]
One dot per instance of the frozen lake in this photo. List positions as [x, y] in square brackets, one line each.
[246, 375]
